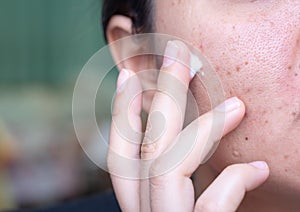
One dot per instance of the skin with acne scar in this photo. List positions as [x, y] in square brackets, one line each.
[254, 47]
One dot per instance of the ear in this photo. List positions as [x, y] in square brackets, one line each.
[120, 27]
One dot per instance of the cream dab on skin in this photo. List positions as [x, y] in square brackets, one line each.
[195, 65]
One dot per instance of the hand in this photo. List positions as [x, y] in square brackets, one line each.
[172, 190]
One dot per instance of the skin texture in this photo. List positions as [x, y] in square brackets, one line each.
[255, 48]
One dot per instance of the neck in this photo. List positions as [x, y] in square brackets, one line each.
[265, 198]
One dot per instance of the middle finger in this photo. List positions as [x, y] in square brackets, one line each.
[167, 111]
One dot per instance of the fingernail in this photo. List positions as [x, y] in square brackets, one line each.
[229, 105]
[196, 65]
[171, 54]
[259, 164]
[122, 80]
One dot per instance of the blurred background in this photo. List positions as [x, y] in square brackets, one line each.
[43, 46]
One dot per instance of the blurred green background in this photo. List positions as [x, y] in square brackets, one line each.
[43, 46]
[47, 41]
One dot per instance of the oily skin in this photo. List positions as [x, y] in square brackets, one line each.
[254, 47]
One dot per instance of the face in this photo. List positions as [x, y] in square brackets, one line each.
[254, 46]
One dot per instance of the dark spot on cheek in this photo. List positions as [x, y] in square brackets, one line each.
[272, 24]
[246, 138]
[238, 69]
[266, 122]
[290, 68]
[296, 116]
[286, 157]
[296, 74]
[228, 73]
[201, 47]
[246, 63]
[286, 170]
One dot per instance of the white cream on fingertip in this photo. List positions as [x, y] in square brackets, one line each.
[195, 65]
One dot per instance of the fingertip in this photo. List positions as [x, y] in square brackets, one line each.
[261, 165]
[232, 111]
[242, 107]
[230, 105]
[128, 93]
[261, 174]
[177, 61]
[240, 111]
[122, 78]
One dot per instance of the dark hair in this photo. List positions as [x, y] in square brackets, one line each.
[140, 11]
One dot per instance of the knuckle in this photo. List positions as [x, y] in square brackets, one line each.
[148, 150]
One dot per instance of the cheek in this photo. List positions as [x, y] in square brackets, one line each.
[259, 51]
[253, 54]
[257, 59]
